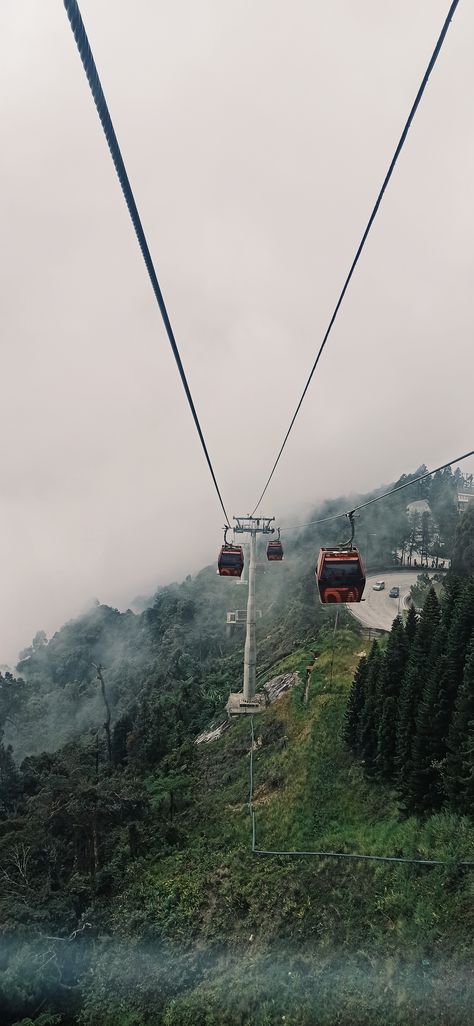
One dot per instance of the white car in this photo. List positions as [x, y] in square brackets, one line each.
[379, 586]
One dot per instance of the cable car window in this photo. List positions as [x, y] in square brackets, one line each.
[347, 570]
[231, 559]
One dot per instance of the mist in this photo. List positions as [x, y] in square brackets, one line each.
[255, 138]
[326, 982]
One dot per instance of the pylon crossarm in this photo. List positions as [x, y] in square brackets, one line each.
[254, 525]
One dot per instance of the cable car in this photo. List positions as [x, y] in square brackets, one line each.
[230, 561]
[340, 575]
[275, 550]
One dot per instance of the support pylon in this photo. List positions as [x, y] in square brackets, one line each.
[250, 652]
[247, 701]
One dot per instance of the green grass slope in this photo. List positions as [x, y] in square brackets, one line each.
[210, 933]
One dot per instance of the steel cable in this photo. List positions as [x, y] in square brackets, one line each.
[83, 45]
[377, 498]
[372, 217]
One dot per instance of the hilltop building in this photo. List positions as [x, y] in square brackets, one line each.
[464, 497]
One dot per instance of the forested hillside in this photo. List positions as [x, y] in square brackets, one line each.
[177, 648]
[410, 714]
[130, 895]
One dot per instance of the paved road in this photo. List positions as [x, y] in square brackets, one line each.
[377, 609]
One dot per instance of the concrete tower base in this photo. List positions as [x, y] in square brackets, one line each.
[237, 706]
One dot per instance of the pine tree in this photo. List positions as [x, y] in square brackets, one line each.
[423, 784]
[123, 727]
[468, 773]
[393, 669]
[444, 704]
[10, 787]
[443, 502]
[453, 586]
[355, 705]
[370, 714]
[460, 755]
[413, 687]
[446, 679]
[411, 625]
[460, 630]
[462, 561]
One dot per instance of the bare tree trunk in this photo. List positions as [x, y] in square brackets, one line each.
[413, 537]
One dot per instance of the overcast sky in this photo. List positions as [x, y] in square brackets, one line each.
[256, 136]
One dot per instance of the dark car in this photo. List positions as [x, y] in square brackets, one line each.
[394, 592]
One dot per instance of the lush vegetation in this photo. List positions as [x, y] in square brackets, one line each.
[410, 713]
[129, 893]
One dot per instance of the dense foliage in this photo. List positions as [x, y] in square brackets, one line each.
[463, 549]
[410, 713]
[129, 896]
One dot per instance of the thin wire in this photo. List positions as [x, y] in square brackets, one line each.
[312, 523]
[354, 509]
[358, 858]
[366, 232]
[83, 45]
[251, 765]
[335, 854]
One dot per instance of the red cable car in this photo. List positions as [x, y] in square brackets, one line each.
[275, 550]
[340, 575]
[230, 561]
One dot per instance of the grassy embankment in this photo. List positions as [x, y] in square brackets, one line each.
[306, 940]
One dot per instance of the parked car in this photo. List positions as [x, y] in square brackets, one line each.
[394, 592]
[379, 586]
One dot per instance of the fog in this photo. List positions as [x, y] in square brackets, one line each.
[256, 137]
[276, 979]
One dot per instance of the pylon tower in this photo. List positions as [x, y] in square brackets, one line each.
[247, 701]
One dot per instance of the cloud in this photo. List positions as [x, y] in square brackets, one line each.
[256, 138]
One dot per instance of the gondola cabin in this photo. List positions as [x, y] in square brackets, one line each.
[274, 551]
[230, 561]
[340, 575]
